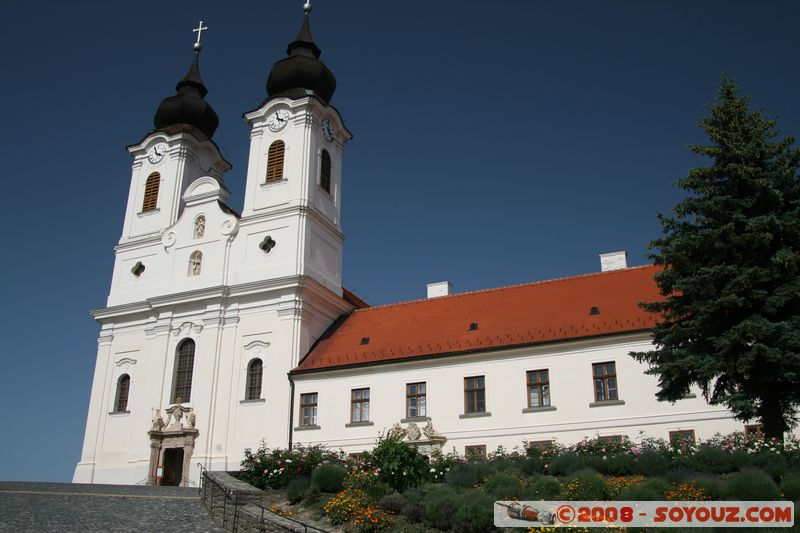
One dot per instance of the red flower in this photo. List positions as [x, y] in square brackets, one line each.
[299, 469]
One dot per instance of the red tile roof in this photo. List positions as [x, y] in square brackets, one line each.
[534, 313]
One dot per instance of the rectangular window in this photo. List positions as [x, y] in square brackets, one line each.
[478, 451]
[605, 381]
[754, 431]
[538, 388]
[682, 439]
[615, 439]
[416, 404]
[308, 409]
[474, 395]
[540, 444]
[359, 405]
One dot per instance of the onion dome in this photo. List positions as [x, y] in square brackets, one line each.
[189, 105]
[302, 71]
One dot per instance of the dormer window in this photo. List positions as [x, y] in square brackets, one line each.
[195, 262]
[325, 171]
[275, 161]
[151, 192]
[199, 227]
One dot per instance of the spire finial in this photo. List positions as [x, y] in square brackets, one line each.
[197, 45]
[307, 7]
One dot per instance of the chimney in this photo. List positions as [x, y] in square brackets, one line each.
[613, 261]
[440, 288]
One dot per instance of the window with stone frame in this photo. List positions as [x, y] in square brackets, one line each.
[614, 439]
[184, 370]
[308, 409]
[416, 400]
[682, 439]
[605, 381]
[474, 394]
[254, 377]
[538, 388]
[359, 405]
[754, 431]
[275, 157]
[123, 389]
[476, 451]
[540, 444]
[150, 202]
[325, 171]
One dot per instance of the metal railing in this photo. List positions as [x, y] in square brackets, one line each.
[231, 499]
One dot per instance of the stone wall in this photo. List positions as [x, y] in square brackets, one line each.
[234, 505]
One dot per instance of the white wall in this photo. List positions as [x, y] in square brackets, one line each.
[572, 392]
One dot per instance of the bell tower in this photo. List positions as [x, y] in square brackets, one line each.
[165, 162]
[294, 177]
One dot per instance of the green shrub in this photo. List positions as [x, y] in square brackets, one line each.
[710, 486]
[532, 465]
[790, 487]
[467, 475]
[585, 485]
[711, 460]
[652, 463]
[750, 484]
[400, 464]
[647, 491]
[772, 463]
[565, 464]
[503, 487]
[414, 511]
[441, 505]
[329, 478]
[393, 503]
[544, 488]
[620, 465]
[274, 468]
[296, 489]
[475, 514]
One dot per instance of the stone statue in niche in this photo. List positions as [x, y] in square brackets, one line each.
[199, 227]
[195, 261]
[158, 422]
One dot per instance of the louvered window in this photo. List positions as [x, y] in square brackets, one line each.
[151, 192]
[275, 161]
[254, 374]
[123, 387]
[325, 172]
[184, 369]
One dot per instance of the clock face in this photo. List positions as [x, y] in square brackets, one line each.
[156, 153]
[278, 119]
[327, 130]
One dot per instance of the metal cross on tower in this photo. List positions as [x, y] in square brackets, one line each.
[199, 31]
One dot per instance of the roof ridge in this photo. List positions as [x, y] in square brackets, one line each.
[517, 285]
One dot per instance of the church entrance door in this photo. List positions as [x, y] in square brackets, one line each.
[173, 467]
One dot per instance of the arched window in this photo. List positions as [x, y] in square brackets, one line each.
[195, 262]
[123, 387]
[325, 172]
[184, 366]
[275, 161]
[151, 192]
[199, 227]
[255, 371]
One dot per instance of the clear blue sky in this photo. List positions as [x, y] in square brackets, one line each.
[495, 143]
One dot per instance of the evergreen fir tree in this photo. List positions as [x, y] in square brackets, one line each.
[730, 321]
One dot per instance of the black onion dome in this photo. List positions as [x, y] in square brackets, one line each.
[302, 70]
[189, 105]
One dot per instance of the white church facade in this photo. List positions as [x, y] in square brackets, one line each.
[226, 329]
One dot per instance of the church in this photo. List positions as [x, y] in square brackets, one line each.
[223, 330]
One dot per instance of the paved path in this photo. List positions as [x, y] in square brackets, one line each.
[64, 507]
